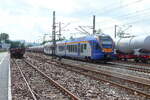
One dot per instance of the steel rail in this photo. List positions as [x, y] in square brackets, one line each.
[98, 78]
[131, 67]
[133, 63]
[54, 82]
[31, 91]
[129, 78]
[128, 67]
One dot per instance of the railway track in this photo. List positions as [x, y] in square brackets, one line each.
[131, 83]
[133, 63]
[22, 82]
[130, 67]
[54, 83]
[137, 68]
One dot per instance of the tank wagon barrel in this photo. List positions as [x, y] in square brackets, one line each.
[129, 45]
[137, 48]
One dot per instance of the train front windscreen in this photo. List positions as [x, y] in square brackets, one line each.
[106, 43]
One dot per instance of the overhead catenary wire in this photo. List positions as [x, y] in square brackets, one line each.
[119, 7]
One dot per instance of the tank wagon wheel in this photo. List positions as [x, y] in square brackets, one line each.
[125, 59]
[144, 60]
[88, 59]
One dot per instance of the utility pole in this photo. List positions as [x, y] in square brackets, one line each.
[44, 36]
[94, 24]
[54, 36]
[115, 31]
[59, 35]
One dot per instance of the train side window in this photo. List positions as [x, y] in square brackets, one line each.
[85, 46]
[76, 48]
[81, 48]
[70, 48]
[73, 48]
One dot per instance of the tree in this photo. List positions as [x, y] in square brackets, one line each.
[17, 44]
[4, 37]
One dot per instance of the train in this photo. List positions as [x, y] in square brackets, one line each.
[17, 49]
[36, 49]
[91, 48]
[17, 52]
[136, 48]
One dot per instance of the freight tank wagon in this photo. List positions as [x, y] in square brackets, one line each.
[137, 48]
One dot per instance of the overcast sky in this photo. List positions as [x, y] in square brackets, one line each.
[30, 19]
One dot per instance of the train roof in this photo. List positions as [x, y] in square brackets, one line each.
[85, 38]
[39, 46]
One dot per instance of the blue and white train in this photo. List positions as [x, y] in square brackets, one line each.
[93, 47]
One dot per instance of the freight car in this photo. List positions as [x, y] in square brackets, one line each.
[17, 49]
[137, 48]
[17, 52]
[37, 49]
[93, 47]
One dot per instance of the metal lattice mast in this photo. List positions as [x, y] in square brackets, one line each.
[54, 35]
